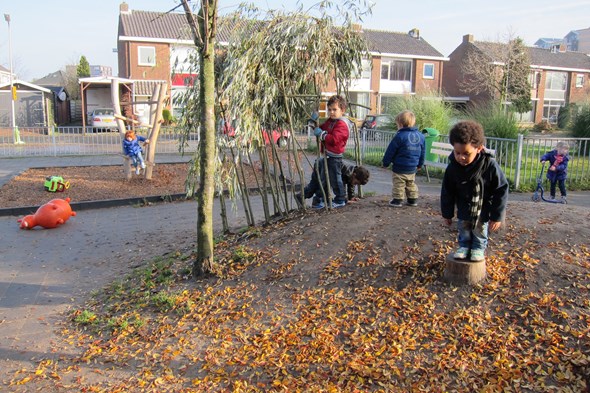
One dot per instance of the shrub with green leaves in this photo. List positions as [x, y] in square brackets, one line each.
[430, 110]
[496, 121]
[581, 122]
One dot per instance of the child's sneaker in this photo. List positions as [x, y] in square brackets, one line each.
[318, 205]
[137, 170]
[477, 255]
[142, 165]
[563, 199]
[461, 253]
[395, 203]
[338, 204]
[412, 202]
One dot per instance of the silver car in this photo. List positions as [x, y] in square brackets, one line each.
[103, 119]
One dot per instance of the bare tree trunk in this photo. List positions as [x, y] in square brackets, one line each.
[205, 39]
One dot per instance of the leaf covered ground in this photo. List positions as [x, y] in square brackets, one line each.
[345, 301]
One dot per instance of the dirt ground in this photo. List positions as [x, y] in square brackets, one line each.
[349, 300]
[92, 183]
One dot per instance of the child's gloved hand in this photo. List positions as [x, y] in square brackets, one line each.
[318, 131]
[315, 116]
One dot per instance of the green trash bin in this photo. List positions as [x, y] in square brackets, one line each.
[430, 135]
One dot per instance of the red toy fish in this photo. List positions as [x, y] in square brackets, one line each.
[49, 215]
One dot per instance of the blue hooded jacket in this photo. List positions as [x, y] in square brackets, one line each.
[406, 151]
[131, 148]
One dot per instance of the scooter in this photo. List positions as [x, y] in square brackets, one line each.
[538, 194]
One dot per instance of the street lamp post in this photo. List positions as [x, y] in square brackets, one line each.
[15, 132]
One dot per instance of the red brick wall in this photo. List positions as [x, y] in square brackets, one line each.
[161, 71]
[578, 94]
[422, 85]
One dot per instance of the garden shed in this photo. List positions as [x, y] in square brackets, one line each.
[32, 106]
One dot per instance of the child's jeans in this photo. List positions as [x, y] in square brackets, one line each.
[473, 239]
[138, 159]
[561, 187]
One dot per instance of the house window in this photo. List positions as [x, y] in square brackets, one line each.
[147, 55]
[534, 79]
[551, 110]
[555, 85]
[580, 80]
[365, 71]
[428, 72]
[396, 70]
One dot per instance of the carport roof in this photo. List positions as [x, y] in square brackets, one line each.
[19, 84]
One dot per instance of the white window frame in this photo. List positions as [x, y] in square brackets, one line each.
[144, 52]
[580, 80]
[425, 75]
[388, 63]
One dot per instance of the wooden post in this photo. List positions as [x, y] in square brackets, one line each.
[160, 97]
[118, 117]
[461, 272]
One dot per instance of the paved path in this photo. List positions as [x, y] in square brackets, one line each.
[45, 273]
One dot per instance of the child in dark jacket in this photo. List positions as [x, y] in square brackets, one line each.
[557, 172]
[406, 152]
[132, 149]
[352, 176]
[334, 134]
[476, 186]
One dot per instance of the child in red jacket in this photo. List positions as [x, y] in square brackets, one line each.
[334, 134]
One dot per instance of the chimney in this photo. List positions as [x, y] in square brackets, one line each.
[468, 38]
[414, 33]
[124, 8]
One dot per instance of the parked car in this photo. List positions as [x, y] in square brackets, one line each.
[103, 119]
[373, 125]
[280, 137]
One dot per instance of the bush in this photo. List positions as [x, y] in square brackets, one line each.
[496, 121]
[581, 122]
[167, 117]
[543, 126]
[430, 110]
[565, 116]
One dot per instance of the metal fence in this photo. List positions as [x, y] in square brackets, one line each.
[62, 141]
[519, 158]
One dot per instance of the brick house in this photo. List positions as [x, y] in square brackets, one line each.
[557, 78]
[401, 64]
[150, 42]
[578, 40]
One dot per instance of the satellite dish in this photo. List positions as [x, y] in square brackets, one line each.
[62, 96]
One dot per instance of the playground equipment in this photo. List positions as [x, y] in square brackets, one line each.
[49, 215]
[56, 184]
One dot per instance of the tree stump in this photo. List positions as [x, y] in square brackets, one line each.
[460, 272]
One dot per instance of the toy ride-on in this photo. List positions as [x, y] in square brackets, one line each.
[538, 194]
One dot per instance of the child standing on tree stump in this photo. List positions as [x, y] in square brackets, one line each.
[132, 149]
[476, 186]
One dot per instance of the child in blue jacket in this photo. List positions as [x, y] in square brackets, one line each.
[132, 149]
[406, 154]
[557, 172]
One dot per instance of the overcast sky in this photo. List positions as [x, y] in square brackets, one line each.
[48, 34]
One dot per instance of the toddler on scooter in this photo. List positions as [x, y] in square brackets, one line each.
[557, 173]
